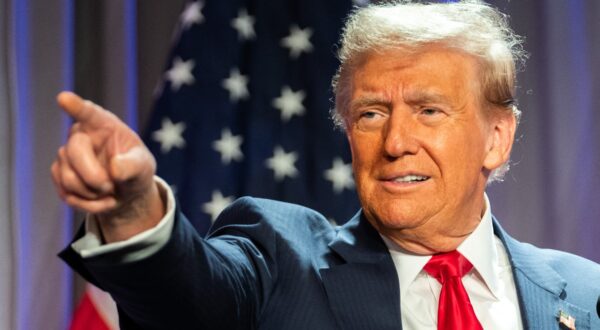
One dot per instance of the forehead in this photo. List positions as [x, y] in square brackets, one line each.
[435, 72]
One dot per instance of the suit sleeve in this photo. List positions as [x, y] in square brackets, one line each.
[191, 282]
[137, 247]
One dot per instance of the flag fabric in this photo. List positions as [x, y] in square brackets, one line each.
[96, 311]
[243, 108]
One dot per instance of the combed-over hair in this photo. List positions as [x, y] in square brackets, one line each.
[470, 26]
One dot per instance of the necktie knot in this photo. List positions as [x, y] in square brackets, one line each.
[454, 310]
[444, 266]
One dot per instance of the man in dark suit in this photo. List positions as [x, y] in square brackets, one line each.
[425, 94]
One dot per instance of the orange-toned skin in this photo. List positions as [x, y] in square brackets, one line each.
[105, 169]
[422, 114]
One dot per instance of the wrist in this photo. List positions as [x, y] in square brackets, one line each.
[138, 215]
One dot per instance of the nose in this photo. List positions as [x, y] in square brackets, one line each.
[400, 136]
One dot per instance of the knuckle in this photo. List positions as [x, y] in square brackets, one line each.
[75, 139]
[88, 104]
[75, 128]
[70, 181]
[93, 176]
[95, 106]
[72, 200]
[78, 203]
[54, 167]
[62, 152]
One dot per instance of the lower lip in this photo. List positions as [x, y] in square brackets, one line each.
[398, 185]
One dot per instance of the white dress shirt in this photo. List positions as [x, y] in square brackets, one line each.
[138, 246]
[490, 284]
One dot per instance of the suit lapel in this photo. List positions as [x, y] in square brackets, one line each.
[541, 290]
[363, 290]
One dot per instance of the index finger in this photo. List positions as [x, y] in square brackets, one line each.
[82, 111]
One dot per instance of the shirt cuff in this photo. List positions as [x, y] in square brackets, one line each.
[136, 247]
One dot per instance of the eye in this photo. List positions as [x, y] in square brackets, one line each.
[369, 115]
[432, 115]
[369, 120]
[430, 111]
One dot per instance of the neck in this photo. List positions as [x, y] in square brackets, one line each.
[438, 235]
[430, 245]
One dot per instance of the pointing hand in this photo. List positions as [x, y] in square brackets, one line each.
[105, 169]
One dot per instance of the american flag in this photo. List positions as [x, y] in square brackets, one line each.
[243, 108]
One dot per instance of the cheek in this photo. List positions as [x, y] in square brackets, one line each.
[365, 152]
[463, 157]
[455, 150]
[361, 145]
[360, 163]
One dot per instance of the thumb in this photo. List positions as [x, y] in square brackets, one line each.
[136, 164]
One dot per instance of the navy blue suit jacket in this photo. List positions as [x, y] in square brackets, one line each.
[273, 265]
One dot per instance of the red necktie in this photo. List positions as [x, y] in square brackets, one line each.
[455, 310]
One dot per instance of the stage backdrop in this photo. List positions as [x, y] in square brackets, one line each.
[115, 52]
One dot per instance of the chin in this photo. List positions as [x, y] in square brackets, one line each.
[396, 218]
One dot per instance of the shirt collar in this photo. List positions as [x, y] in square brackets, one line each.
[479, 248]
[408, 265]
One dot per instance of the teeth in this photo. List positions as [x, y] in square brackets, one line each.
[411, 178]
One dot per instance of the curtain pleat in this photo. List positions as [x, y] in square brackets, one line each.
[35, 64]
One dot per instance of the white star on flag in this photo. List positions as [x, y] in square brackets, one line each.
[237, 85]
[169, 135]
[290, 103]
[282, 163]
[217, 204]
[340, 175]
[298, 41]
[229, 146]
[192, 14]
[244, 24]
[180, 73]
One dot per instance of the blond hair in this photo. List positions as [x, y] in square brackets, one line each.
[470, 26]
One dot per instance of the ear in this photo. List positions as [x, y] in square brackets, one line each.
[501, 138]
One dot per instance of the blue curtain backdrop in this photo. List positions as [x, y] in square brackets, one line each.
[549, 197]
[36, 52]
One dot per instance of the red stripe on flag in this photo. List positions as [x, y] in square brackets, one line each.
[87, 317]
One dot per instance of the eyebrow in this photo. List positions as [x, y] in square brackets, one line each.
[368, 101]
[414, 97]
[420, 96]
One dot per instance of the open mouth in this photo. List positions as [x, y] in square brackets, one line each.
[411, 179]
